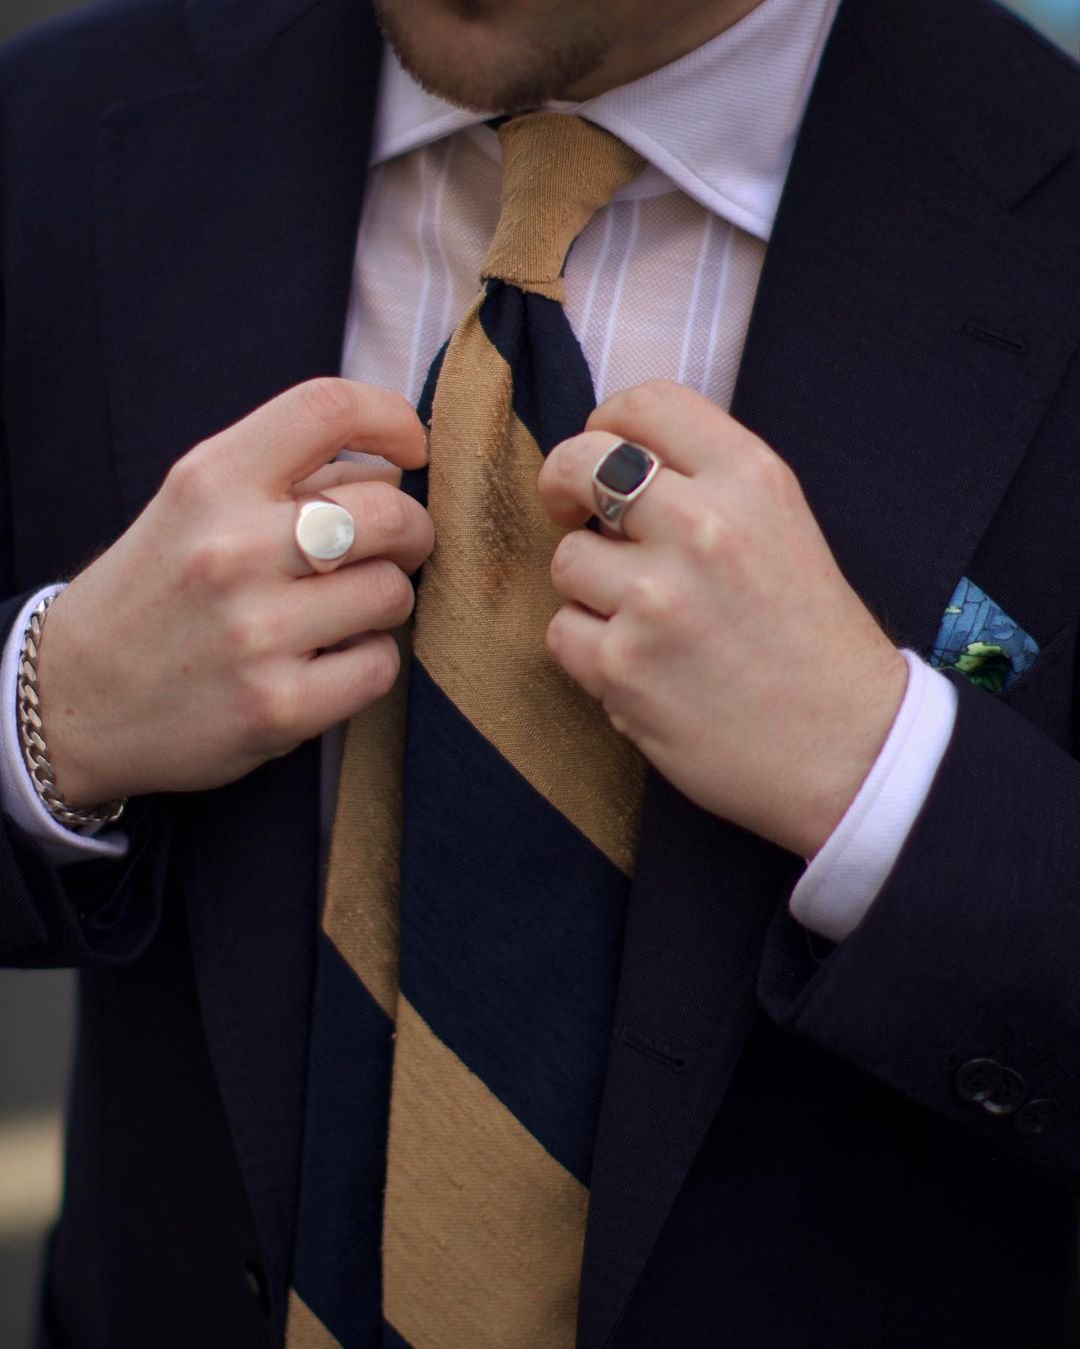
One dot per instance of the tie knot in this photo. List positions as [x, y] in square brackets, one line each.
[558, 170]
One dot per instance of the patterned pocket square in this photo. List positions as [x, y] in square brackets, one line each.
[982, 641]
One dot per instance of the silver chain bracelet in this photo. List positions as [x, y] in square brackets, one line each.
[32, 735]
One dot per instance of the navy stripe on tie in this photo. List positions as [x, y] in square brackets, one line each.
[414, 481]
[392, 1340]
[512, 928]
[553, 391]
[337, 1268]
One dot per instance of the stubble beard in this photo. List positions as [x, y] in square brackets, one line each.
[523, 71]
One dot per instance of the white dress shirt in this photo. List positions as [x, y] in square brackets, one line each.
[660, 284]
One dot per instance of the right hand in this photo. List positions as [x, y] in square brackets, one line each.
[188, 653]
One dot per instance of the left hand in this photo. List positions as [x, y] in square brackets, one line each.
[718, 631]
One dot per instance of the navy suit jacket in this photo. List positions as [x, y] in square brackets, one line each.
[783, 1160]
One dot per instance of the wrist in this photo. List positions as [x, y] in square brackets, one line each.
[849, 744]
[67, 782]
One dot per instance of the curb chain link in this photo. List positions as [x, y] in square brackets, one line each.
[32, 735]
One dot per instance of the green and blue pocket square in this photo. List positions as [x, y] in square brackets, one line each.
[981, 641]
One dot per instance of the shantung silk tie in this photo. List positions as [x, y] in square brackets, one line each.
[483, 841]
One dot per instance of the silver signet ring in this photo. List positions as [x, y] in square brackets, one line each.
[324, 533]
[620, 477]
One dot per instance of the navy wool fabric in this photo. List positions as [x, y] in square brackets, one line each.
[337, 1269]
[552, 392]
[511, 927]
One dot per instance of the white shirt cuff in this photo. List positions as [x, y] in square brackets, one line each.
[18, 798]
[845, 877]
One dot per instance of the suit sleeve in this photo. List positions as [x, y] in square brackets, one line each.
[103, 911]
[961, 986]
[842, 881]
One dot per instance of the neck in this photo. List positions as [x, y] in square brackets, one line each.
[670, 31]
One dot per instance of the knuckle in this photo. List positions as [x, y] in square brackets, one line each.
[214, 562]
[619, 722]
[635, 400]
[327, 401]
[385, 509]
[662, 390]
[426, 531]
[772, 475]
[188, 482]
[381, 666]
[555, 633]
[271, 709]
[566, 557]
[705, 529]
[615, 658]
[567, 463]
[247, 637]
[643, 398]
[400, 413]
[391, 590]
[651, 598]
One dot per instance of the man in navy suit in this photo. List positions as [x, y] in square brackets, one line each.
[860, 1144]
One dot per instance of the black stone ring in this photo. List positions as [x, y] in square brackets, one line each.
[620, 478]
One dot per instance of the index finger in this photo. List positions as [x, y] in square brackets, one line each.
[342, 471]
[285, 440]
[685, 429]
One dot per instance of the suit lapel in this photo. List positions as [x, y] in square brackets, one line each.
[227, 216]
[904, 343]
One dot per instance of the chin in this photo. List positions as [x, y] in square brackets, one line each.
[491, 59]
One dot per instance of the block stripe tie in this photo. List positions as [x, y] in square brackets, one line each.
[483, 842]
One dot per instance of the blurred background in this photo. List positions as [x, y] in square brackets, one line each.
[36, 1008]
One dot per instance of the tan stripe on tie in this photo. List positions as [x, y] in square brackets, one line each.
[484, 1229]
[360, 913]
[488, 599]
[305, 1330]
[557, 172]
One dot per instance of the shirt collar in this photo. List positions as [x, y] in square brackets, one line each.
[719, 123]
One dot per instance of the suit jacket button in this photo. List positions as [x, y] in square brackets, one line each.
[255, 1278]
[1008, 1096]
[1036, 1117]
[978, 1079]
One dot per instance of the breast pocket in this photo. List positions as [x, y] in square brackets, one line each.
[1045, 693]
